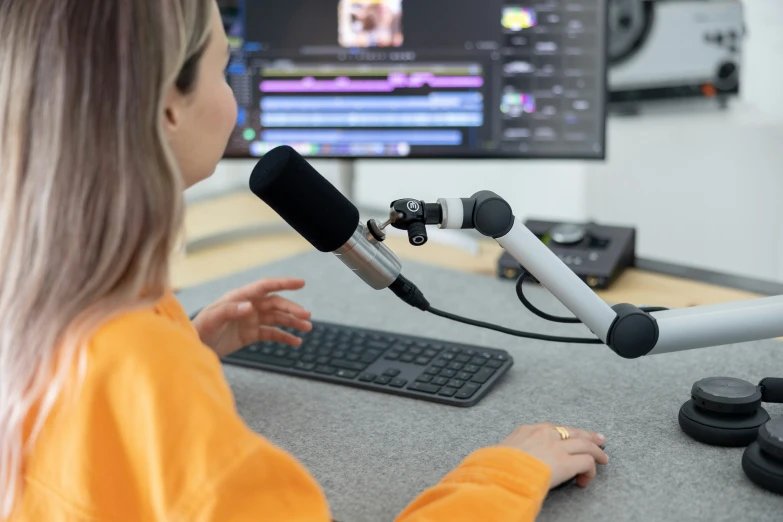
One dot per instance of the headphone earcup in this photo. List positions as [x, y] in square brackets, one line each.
[718, 429]
[762, 470]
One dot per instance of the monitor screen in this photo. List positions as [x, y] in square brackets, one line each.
[419, 78]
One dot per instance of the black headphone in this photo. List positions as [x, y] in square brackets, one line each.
[724, 411]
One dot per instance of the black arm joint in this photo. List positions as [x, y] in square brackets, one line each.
[633, 333]
[492, 215]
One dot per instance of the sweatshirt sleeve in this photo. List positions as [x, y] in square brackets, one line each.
[495, 484]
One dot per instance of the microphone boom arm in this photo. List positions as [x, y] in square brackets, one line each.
[627, 330]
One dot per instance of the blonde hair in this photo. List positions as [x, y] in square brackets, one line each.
[91, 198]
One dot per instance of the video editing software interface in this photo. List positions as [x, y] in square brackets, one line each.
[419, 78]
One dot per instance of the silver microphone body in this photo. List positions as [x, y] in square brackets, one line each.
[369, 259]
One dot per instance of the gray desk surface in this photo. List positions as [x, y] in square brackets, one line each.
[373, 453]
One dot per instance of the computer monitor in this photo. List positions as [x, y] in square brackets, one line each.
[419, 78]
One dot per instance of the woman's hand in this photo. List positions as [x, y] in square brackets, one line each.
[252, 314]
[576, 456]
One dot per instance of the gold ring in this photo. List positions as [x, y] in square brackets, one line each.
[564, 435]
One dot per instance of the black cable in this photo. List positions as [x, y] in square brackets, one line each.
[508, 331]
[554, 318]
[543, 315]
[410, 293]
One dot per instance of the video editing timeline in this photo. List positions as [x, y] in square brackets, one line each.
[385, 78]
[376, 110]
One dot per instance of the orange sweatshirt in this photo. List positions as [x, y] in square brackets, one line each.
[153, 435]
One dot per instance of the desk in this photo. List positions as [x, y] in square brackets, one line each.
[373, 453]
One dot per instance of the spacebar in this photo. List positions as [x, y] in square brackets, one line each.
[268, 359]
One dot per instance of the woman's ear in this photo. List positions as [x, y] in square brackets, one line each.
[173, 112]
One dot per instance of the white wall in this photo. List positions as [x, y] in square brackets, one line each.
[704, 187]
[701, 186]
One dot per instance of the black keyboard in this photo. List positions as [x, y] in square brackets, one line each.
[415, 367]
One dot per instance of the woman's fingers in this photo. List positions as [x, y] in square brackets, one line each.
[576, 433]
[272, 334]
[583, 466]
[586, 447]
[285, 319]
[277, 303]
[263, 287]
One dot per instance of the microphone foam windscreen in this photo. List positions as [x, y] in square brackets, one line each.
[313, 207]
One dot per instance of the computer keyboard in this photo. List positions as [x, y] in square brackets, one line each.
[414, 367]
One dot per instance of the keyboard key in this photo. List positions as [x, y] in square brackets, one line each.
[422, 360]
[465, 376]
[455, 366]
[406, 342]
[440, 363]
[432, 370]
[424, 377]
[392, 372]
[382, 380]
[462, 358]
[494, 363]
[467, 391]
[339, 354]
[454, 349]
[429, 352]
[281, 352]
[266, 350]
[348, 365]
[328, 370]
[307, 366]
[391, 356]
[447, 391]
[351, 357]
[485, 355]
[356, 348]
[482, 375]
[294, 354]
[347, 374]
[367, 377]
[308, 358]
[398, 383]
[406, 358]
[323, 359]
[424, 387]
[447, 356]
[470, 352]
[478, 361]
[415, 351]
[370, 356]
[447, 373]
[440, 381]
[378, 345]
[471, 368]
[271, 360]
[420, 344]
[456, 383]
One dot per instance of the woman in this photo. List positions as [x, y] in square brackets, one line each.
[112, 403]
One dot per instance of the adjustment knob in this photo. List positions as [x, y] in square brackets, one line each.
[417, 234]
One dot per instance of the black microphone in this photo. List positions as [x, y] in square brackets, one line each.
[321, 214]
